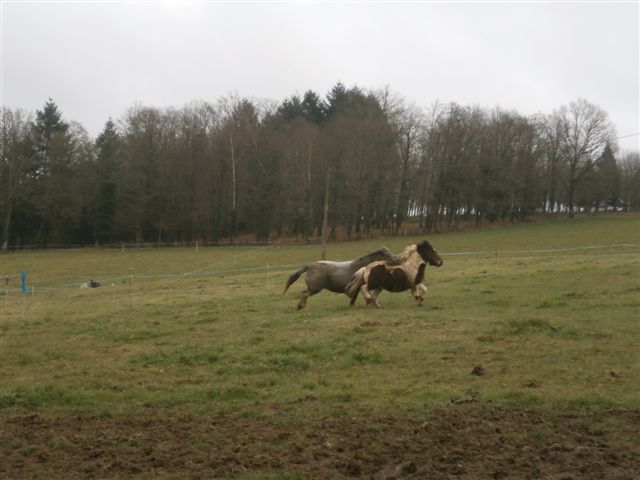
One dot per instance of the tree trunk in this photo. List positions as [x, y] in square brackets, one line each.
[7, 229]
[309, 220]
[325, 217]
[233, 190]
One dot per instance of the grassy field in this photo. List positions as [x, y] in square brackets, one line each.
[546, 313]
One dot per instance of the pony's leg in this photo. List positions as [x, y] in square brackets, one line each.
[371, 297]
[366, 293]
[375, 298]
[422, 290]
[416, 293]
[303, 298]
[354, 297]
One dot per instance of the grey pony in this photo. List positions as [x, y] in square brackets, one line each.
[334, 276]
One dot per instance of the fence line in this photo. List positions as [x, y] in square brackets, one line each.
[208, 273]
[229, 259]
[550, 250]
[146, 245]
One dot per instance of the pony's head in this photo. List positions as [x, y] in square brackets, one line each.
[428, 254]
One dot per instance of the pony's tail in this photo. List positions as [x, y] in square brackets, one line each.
[353, 287]
[293, 277]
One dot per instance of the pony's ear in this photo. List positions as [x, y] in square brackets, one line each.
[424, 247]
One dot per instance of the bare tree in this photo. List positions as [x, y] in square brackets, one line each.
[630, 181]
[14, 165]
[584, 131]
[409, 123]
[239, 133]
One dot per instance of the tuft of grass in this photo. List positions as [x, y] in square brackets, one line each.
[289, 362]
[515, 397]
[229, 395]
[274, 476]
[366, 357]
[178, 357]
[9, 399]
[534, 325]
[39, 397]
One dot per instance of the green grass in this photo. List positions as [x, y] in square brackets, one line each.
[549, 328]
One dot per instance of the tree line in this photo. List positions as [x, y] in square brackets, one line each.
[242, 168]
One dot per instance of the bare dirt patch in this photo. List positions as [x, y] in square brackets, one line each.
[454, 442]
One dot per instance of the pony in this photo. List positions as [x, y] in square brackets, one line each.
[333, 276]
[404, 273]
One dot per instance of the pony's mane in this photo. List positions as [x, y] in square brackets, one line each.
[371, 254]
[407, 253]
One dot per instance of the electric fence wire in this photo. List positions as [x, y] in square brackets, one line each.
[206, 271]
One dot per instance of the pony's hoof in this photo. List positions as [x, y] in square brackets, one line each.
[299, 307]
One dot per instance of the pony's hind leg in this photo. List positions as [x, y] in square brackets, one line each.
[374, 298]
[354, 297]
[366, 293]
[303, 299]
[371, 297]
[305, 295]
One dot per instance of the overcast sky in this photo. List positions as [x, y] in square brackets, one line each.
[96, 59]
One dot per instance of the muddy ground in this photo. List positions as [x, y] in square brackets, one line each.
[457, 441]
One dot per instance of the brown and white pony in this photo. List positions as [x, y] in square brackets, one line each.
[405, 273]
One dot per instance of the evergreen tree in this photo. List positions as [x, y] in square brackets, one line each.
[336, 98]
[49, 133]
[313, 107]
[108, 144]
[52, 168]
[290, 108]
[608, 177]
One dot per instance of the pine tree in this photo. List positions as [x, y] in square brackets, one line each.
[313, 107]
[108, 145]
[49, 134]
[608, 177]
[52, 161]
